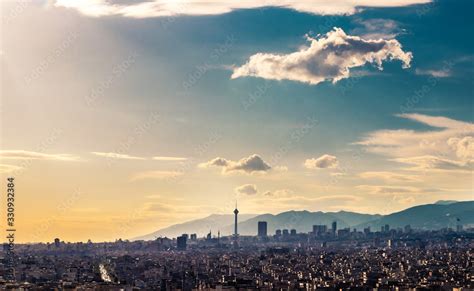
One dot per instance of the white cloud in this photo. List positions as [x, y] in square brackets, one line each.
[116, 156]
[250, 165]
[394, 190]
[170, 159]
[403, 143]
[389, 176]
[279, 193]
[8, 168]
[248, 189]
[159, 8]
[328, 58]
[376, 28]
[323, 162]
[155, 175]
[464, 147]
[29, 155]
[442, 73]
[425, 163]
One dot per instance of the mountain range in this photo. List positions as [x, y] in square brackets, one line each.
[429, 216]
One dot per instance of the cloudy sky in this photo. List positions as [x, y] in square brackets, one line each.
[121, 117]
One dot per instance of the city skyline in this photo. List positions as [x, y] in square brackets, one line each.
[123, 118]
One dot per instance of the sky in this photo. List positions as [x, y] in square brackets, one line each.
[122, 117]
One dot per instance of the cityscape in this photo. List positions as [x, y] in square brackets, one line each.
[236, 145]
[326, 257]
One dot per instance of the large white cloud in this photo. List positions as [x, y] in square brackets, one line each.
[249, 165]
[323, 162]
[328, 58]
[159, 8]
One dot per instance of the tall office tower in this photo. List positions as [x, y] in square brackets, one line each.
[293, 232]
[181, 240]
[278, 232]
[236, 212]
[319, 229]
[262, 228]
[387, 228]
[334, 227]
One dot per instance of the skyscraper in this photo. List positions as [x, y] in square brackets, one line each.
[181, 242]
[262, 228]
[334, 227]
[319, 229]
[236, 212]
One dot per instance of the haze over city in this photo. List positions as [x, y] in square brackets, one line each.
[121, 118]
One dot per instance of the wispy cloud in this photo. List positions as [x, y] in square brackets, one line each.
[383, 190]
[170, 159]
[441, 73]
[403, 143]
[389, 176]
[377, 28]
[117, 156]
[30, 155]
[155, 175]
[328, 58]
[8, 168]
[433, 163]
[160, 8]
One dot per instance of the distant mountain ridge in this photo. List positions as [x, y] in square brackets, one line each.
[430, 216]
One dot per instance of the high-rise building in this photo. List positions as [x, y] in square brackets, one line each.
[278, 232]
[407, 228]
[319, 229]
[387, 228]
[262, 228]
[286, 232]
[236, 212]
[367, 230]
[193, 236]
[334, 227]
[57, 242]
[293, 232]
[181, 241]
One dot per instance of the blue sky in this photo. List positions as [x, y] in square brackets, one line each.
[97, 78]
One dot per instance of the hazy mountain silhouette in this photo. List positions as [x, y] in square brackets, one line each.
[214, 222]
[302, 221]
[430, 216]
